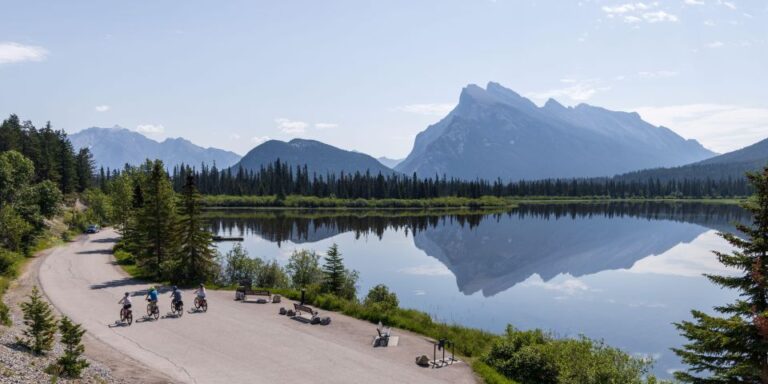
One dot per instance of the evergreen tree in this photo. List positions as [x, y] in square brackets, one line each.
[40, 323]
[734, 348]
[196, 256]
[336, 278]
[71, 336]
[333, 270]
[156, 222]
[84, 164]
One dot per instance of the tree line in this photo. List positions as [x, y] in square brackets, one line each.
[280, 179]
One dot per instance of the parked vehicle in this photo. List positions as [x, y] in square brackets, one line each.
[93, 228]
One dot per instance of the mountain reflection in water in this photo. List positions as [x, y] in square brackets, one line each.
[491, 252]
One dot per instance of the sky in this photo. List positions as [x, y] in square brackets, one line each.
[369, 75]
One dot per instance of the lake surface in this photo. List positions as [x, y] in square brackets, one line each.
[621, 272]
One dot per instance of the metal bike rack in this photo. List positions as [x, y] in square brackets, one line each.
[442, 345]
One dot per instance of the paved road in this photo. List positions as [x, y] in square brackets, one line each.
[233, 342]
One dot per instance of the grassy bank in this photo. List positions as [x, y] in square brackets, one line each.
[485, 202]
[296, 201]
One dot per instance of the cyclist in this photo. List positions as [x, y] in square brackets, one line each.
[176, 296]
[126, 302]
[152, 296]
[200, 292]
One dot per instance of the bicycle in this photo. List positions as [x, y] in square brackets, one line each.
[126, 316]
[177, 308]
[201, 304]
[153, 310]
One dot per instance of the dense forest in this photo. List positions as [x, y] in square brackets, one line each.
[279, 179]
[37, 167]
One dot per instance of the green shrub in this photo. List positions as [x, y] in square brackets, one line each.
[381, 297]
[40, 323]
[70, 364]
[530, 357]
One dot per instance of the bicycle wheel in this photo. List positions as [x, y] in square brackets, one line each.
[181, 310]
[204, 305]
[197, 303]
[149, 309]
[156, 312]
[129, 318]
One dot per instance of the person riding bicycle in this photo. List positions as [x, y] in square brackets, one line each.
[152, 296]
[200, 292]
[126, 301]
[176, 296]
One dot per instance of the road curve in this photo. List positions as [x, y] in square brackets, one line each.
[233, 342]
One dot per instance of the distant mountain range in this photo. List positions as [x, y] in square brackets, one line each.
[496, 133]
[114, 147]
[730, 165]
[390, 163]
[320, 158]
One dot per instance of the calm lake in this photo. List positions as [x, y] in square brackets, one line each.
[621, 272]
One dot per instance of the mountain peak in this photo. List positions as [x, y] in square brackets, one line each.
[503, 134]
[114, 147]
[553, 104]
[320, 158]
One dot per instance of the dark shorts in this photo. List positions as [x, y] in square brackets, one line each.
[126, 306]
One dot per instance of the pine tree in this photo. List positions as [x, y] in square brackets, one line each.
[334, 271]
[156, 222]
[70, 363]
[196, 256]
[734, 348]
[40, 323]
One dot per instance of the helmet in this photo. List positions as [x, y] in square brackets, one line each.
[174, 288]
[201, 285]
[152, 288]
[127, 293]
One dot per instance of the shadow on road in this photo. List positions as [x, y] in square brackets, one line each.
[96, 252]
[117, 283]
[107, 240]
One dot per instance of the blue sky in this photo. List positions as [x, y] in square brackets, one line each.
[370, 75]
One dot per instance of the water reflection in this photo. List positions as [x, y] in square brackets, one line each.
[491, 252]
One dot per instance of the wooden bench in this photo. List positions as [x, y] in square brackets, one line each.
[251, 292]
[304, 312]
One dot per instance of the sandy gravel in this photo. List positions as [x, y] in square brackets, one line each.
[233, 342]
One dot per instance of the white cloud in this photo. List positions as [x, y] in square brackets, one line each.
[16, 53]
[150, 128]
[234, 136]
[291, 127]
[427, 270]
[694, 2]
[326, 125]
[659, 16]
[102, 108]
[720, 127]
[259, 139]
[716, 44]
[430, 109]
[727, 4]
[565, 284]
[577, 90]
[687, 259]
[625, 8]
[709, 23]
[633, 13]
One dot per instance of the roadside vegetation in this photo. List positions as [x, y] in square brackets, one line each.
[38, 168]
